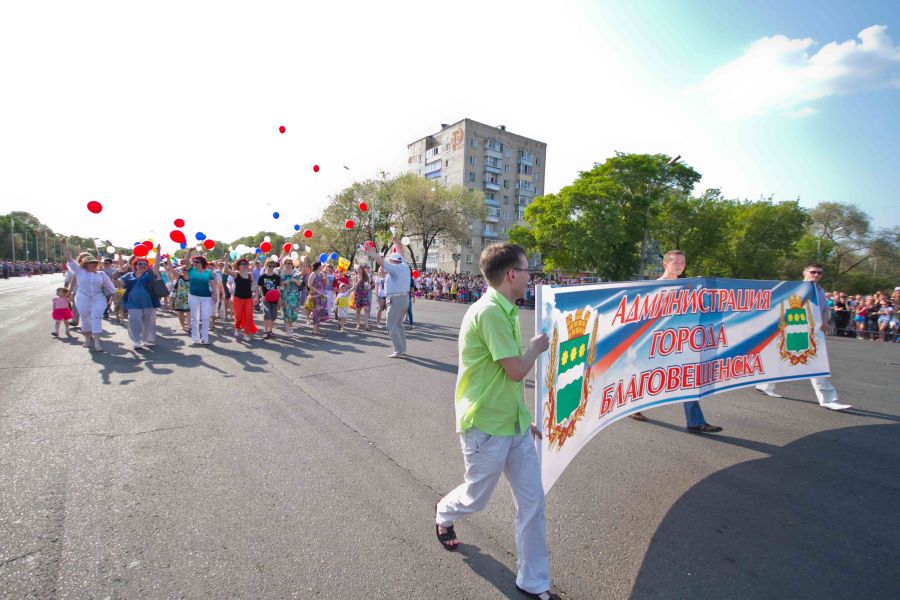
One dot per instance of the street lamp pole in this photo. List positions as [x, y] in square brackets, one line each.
[644, 242]
[12, 235]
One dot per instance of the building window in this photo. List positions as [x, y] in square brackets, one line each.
[505, 199]
[471, 176]
[506, 183]
[446, 147]
[525, 169]
[493, 211]
[489, 196]
[446, 179]
[446, 163]
[473, 143]
[521, 210]
[537, 175]
[469, 259]
[506, 168]
[472, 160]
[537, 162]
[507, 153]
[505, 215]
[469, 242]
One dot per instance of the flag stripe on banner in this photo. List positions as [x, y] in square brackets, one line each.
[619, 348]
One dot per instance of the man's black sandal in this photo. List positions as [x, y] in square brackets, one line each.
[705, 428]
[446, 538]
[550, 595]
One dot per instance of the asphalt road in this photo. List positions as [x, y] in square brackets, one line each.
[310, 469]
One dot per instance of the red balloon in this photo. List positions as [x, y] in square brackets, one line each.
[141, 250]
[307, 233]
[415, 274]
[287, 247]
[265, 247]
[95, 207]
[281, 129]
[315, 168]
[349, 223]
[179, 222]
[369, 244]
[209, 244]
[147, 244]
[363, 206]
[177, 236]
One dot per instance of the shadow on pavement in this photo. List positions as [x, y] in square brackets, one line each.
[813, 520]
[490, 569]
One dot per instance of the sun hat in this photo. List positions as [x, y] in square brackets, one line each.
[87, 258]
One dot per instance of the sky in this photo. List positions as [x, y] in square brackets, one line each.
[170, 110]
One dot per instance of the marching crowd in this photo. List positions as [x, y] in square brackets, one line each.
[201, 292]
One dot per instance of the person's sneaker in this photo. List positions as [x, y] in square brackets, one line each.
[396, 355]
[836, 405]
[149, 344]
[762, 389]
[138, 347]
[705, 428]
[240, 336]
[638, 417]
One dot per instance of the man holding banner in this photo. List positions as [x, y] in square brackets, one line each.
[496, 428]
[825, 392]
[674, 262]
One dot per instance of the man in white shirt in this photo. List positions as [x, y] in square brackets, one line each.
[396, 289]
[825, 392]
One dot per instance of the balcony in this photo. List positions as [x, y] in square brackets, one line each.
[432, 167]
[526, 158]
[490, 232]
[433, 175]
[493, 153]
[492, 202]
[493, 216]
[492, 169]
[490, 185]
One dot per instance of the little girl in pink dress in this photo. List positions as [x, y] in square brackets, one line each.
[62, 310]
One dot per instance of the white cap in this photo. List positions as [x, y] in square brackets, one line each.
[395, 256]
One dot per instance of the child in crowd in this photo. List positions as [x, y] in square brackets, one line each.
[62, 310]
[342, 302]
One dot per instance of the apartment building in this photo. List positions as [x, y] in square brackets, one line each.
[509, 168]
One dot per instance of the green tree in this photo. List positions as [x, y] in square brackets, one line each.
[596, 224]
[762, 234]
[429, 211]
[697, 225]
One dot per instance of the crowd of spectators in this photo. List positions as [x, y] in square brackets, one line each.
[468, 288]
[874, 317]
[27, 268]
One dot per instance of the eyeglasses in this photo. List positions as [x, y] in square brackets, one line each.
[521, 269]
[196, 262]
[141, 263]
[814, 272]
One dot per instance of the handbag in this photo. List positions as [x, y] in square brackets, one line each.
[310, 304]
[159, 288]
[273, 296]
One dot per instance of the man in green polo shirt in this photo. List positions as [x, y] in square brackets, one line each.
[495, 427]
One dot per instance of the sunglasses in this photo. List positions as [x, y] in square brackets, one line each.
[814, 272]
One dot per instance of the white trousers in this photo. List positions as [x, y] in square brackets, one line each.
[486, 457]
[201, 307]
[825, 392]
[142, 325]
[397, 305]
[90, 310]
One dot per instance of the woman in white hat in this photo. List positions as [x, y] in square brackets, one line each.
[93, 288]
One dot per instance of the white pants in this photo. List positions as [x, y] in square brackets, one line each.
[825, 392]
[142, 325]
[397, 305]
[486, 457]
[90, 310]
[201, 307]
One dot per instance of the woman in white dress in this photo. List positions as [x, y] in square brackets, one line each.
[93, 288]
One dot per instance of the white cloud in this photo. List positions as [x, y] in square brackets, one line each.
[778, 74]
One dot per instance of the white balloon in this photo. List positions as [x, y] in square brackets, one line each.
[393, 229]
[274, 257]
[303, 258]
[296, 247]
[405, 240]
[308, 249]
[110, 249]
[294, 255]
[267, 239]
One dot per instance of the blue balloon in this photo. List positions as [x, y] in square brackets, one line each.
[323, 257]
[275, 215]
[137, 243]
[296, 228]
[334, 256]
[258, 251]
[200, 236]
[183, 245]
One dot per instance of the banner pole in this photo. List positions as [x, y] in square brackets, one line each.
[538, 369]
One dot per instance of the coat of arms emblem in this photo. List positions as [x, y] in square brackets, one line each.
[797, 328]
[568, 378]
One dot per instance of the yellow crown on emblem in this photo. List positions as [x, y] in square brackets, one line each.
[577, 325]
[795, 302]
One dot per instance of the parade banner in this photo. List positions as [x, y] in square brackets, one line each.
[619, 348]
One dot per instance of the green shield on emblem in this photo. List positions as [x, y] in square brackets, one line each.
[796, 331]
[570, 376]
